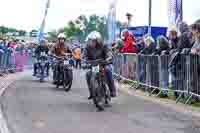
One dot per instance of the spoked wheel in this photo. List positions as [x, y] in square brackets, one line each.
[97, 96]
[67, 82]
[107, 96]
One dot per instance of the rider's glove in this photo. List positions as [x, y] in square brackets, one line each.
[109, 59]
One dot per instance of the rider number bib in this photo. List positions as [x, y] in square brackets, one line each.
[66, 62]
[43, 54]
[96, 69]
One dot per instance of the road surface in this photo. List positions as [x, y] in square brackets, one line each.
[33, 107]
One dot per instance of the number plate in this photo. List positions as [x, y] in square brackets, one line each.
[43, 63]
[66, 62]
[95, 69]
[43, 54]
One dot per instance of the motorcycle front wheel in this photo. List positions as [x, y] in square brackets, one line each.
[96, 94]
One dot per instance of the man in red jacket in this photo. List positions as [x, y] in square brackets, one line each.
[129, 43]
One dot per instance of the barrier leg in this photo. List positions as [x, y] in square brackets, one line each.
[135, 86]
[188, 100]
[153, 91]
[159, 93]
[178, 99]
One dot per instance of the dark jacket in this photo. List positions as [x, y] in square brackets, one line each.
[174, 43]
[185, 41]
[149, 50]
[94, 53]
[40, 49]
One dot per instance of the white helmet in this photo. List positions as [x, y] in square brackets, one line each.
[94, 36]
[61, 35]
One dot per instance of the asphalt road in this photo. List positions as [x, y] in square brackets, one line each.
[33, 107]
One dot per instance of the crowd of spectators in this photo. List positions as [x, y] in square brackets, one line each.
[185, 37]
[13, 54]
[184, 40]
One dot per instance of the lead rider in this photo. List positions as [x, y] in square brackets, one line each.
[94, 50]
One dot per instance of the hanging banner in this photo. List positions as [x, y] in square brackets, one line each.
[175, 13]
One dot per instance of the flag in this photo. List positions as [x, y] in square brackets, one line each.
[175, 13]
[41, 32]
[179, 12]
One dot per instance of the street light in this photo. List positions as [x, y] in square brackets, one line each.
[129, 18]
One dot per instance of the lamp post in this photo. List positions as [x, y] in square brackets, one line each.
[129, 18]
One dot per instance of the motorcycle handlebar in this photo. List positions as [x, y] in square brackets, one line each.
[97, 62]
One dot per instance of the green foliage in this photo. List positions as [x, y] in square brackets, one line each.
[52, 35]
[5, 30]
[82, 26]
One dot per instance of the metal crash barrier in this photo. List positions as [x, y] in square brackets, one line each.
[11, 62]
[155, 73]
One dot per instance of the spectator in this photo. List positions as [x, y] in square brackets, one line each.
[140, 44]
[185, 39]
[162, 46]
[129, 43]
[77, 56]
[173, 38]
[196, 33]
[150, 46]
[195, 69]
[117, 46]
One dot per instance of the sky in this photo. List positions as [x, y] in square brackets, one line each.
[28, 14]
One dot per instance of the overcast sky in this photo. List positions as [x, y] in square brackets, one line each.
[28, 14]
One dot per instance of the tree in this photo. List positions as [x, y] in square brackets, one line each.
[83, 25]
[22, 32]
[3, 30]
[52, 35]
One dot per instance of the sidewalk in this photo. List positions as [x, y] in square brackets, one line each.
[186, 109]
[7, 80]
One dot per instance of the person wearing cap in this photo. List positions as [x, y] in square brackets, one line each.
[94, 50]
[173, 38]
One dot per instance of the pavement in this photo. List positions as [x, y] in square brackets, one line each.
[33, 107]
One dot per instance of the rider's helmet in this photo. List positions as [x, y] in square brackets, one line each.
[95, 36]
[42, 42]
[61, 36]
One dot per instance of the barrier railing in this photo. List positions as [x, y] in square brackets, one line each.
[14, 61]
[155, 73]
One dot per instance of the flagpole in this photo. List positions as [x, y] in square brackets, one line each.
[150, 15]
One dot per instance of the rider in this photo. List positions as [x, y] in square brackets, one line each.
[94, 50]
[60, 50]
[39, 49]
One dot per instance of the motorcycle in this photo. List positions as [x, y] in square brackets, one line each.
[98, 82]
[42, 66]
[63, 72]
